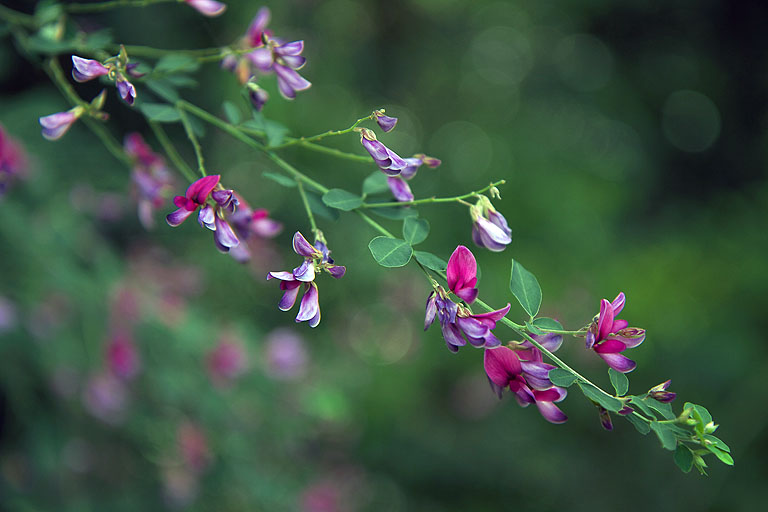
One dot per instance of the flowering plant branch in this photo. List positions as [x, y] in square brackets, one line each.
[516, 365]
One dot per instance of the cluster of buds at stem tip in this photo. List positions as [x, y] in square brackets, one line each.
[56, 125]
[214, 203]
[115, 68]
[316, 258]
[489, 227]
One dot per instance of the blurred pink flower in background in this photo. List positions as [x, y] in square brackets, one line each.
[227, 360]
[193, 447]
[122, 356]
[106, 398]
[286, 356]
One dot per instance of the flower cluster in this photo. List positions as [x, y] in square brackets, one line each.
[115, 68]
[457, 322]
[316, 258]
[13, 160]
[520, 368]
[608, 336]
[263, 55]
[398, 184]
[249, 224]
[151, 179]
[211, 216]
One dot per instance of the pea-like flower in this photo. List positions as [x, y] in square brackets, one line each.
[608, 336]
[13, 163]
[210, 216]
[84, 70]
[489, 228]
[152, 181]
[398, 184]
[388, 161]
[457, 322]
[210, 8]
[56, 125]
[249, 223]
[660, 393]
[385, 122]
[316, 258]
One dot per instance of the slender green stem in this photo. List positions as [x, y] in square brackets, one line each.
[315, 138]
[17, 18]
[170, 150]
[304, 200]
[375, 225]
[193, 139]
[314, 147]
[112, 4]
[54, 71]
[148, 51]
[430, 200]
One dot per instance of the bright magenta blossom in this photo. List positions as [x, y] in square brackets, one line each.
[608, 336]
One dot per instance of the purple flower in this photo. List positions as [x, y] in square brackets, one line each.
[528, 380]
[56, 125]
[258, 96]
[400, 189]
[609, 336]
[195, 197]
[13, 160]
[84, 70]
[388, 161]
[386, 123]
[127, 90]
[257, 29]
[122, 356]
[457, 322]
[208, 8]
[489, 228]
[397, 184]
[309, 310]
[660, 393]
[152, 181]
[248, 223]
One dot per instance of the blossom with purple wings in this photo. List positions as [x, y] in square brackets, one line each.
[56, 125]
[398, 184]
[316, 258]
[489, 227]
[388, 161]
[609, 336]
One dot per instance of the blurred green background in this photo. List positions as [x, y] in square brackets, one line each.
[632, 138]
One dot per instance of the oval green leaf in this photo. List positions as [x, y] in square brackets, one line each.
[525, 288]
[431, 261]
[684, 458]
[395, 212]
[390, 252]
[608, 402]
[619, 381]
[415, 230]
[639, 424]
[342, 200]
[665, 435]
[547, 324]
[375, 183]
[562, 378]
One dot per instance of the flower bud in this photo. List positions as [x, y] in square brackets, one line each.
[659, 392]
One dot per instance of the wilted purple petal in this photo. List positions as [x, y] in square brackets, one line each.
[630, 337]
[400, 189]
[452, 335]
[605, 418]
[175, 219]
[431, 310]
[337, 271]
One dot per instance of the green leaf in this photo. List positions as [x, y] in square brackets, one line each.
[390, 252]
[231, 112]
[665, 435]
[342, 200]
[562, 378]
[415, 230]
[395, 212]
[640, 404]
[639, 424]
[547, 324]
[181, 80]
[160, 112]
[664, 409]
[533, 329]
[318, 207]
[525, 288]
[619, 382]
[48, 11]
[176, 63]
[594, 394]
[98, 39]
[163, 88]
[718, 442]
[684, 458]
[702, 411]
[431, 261]
[375, 183]
[724, 456]
[280, 179]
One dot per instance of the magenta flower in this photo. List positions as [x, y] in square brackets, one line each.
[210, 216]
[660, 393]
[386, 123]
[208, 8]
[457, 322]
[123, 357]
[226, 361]
[527, 379]
[609, 336]
[56, 125]
[388, 161]
[257, 30]
[150, 176]
[489, 228]
[13, 160]
[462, 274]
[290, 282]
[84, 70]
